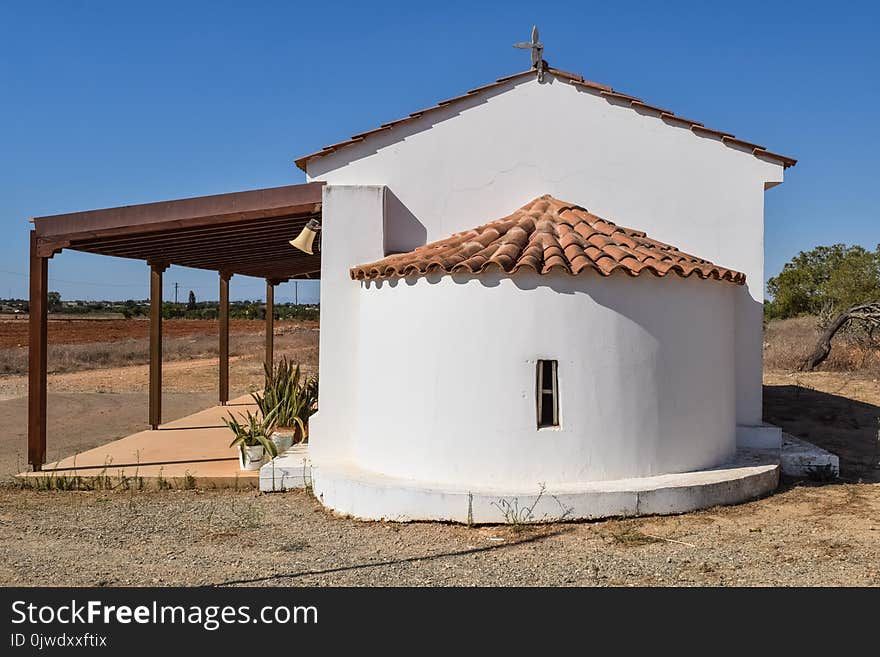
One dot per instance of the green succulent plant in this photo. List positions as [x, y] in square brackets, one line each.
[288, 396]
[252, 432]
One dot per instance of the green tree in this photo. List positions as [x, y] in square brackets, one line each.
[171, 310]
[827, 277]
[855, 280]
[191, 302]
[53, 302]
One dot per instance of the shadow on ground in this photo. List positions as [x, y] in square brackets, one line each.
[529, 537]
[844, 426]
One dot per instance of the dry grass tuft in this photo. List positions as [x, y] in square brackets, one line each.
[75, 357]
[787, 342]
[135, 351]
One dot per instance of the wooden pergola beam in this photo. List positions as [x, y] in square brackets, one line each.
[269, 253]
[184, 213]
[175, 236]
[243, 233]
[156, 270]
[224, 337]
[37, 356]
[278, 270]
[270, 322]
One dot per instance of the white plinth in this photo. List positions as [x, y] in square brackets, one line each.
[372, 496]
[368, 495]
[287, 471]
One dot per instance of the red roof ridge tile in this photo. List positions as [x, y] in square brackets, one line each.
[547, 235]
[578, 81]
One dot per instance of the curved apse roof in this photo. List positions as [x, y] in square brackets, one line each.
[544, 236]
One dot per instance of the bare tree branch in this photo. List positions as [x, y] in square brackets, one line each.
[865, 312]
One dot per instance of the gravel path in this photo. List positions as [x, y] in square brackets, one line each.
[805, 535]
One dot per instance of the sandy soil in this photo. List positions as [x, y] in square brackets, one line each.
[806, 534]
[194, 375]
[198, 375]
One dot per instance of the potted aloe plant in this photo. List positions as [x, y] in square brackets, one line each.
[289, 398]
[252, 438]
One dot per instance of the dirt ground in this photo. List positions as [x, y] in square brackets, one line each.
[806, 534]
[89, 408]
[14, 332]
[837, 411]
[79, 345]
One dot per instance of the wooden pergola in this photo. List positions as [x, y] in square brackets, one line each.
[244, 233]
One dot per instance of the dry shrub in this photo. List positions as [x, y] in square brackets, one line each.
[74, 357]
[787, 342]
[98, 355]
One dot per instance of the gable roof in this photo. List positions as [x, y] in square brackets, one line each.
[578, 81]
[547, 235]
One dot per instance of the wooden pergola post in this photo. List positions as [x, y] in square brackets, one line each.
[37, 361]
[156, 270]
[224, 337]
[270, 322]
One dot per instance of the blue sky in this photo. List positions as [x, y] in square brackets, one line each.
[113, 103]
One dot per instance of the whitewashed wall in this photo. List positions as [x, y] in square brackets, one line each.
[351, 232]
[446, 378]
[510, 145]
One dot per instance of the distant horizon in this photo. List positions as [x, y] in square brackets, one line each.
[147, 301]
[279, 300]
[309, 290]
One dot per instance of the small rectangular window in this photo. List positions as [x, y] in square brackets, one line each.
[547, 394]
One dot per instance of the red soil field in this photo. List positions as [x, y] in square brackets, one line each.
[14, 332]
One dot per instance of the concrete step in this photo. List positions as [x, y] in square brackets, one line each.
[802, 459]
[287, 471]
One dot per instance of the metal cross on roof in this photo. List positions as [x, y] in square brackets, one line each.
[537, 49]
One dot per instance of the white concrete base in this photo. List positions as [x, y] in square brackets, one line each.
[760, 436]
[802, 459]
[287, 471]
[372, 496]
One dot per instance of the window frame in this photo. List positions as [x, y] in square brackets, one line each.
[542, 392]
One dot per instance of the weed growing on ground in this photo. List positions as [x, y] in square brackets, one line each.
[518, 517]
[821, 473]
[162, 482]
[628, 535]
[307, 479]
[189, 482]
[63, 481]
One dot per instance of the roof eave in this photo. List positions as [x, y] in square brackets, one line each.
[302, 162]
[728, 139]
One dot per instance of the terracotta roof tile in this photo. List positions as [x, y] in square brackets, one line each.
[742, 143]
[708, 132]
[545, 235]
[578, 81]
[619, 96]
[680, 120]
